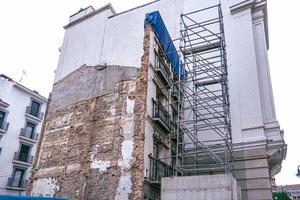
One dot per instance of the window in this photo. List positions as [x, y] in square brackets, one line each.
[173, 159]
[35, 108]
[18, 177]
[2, 117]
[160, 95]
[158, 149]
[24, 153]
[155, 149]
[174, 115]
[30, 129]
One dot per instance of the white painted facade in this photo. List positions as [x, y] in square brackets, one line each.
[117, 39]
[14, 100]
[103, 37]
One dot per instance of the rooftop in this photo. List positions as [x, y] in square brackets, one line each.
[24, 88]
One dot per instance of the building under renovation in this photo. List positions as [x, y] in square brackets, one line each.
[169, 100]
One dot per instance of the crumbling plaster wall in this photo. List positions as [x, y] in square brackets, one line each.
[90, 136]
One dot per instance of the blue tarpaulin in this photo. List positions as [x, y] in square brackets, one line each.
[161, 32]
[7, 197]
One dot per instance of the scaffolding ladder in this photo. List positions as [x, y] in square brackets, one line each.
[204, 120]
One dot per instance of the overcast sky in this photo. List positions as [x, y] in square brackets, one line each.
[31, 33]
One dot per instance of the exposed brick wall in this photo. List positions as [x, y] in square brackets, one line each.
[140, 119]
[86, 148]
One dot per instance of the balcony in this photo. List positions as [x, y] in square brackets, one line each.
[28, 136]
[22, 185]
[174, 130]
[161, 116]
[22, 159]
[38, 116]
[159, 169]
[175, 92]
[4, 127]
[161, 69]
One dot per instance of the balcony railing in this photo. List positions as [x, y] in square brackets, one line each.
[175, 92]
[176, 129]
[161, 114]
[4, 127]
[159, 169]
[38, 114]
[23, 158]
[161, 69]
[21, 185]
[27, 134]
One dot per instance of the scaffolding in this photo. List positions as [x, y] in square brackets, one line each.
[203, 103]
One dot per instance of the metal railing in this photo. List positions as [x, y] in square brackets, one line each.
[159, 169]
[161, 113]
[175, 92]
[4, 126]
[161, 66]
[22, 184]
[39, 114]
[25, 133]
[175, 128]
[23, 158]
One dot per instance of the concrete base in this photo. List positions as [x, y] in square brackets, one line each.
[216, 187]
[251, 171]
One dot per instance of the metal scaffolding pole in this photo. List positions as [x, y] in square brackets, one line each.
[203, 103]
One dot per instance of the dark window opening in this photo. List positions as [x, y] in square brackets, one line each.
[18, 177]
[30, 129]
[35, 108]
[2, 117]
[24, 153]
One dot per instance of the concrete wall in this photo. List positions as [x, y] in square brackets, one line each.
[88, 82]
[217, 187]
[18, 99]
[251, 170]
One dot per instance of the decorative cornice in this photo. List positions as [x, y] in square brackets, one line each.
[3, 104]
[102, 9]
[237, 146]
[31, 92]
[244, 5]
[258, 7]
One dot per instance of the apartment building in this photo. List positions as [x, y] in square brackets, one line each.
[21, 118]
[169, 97]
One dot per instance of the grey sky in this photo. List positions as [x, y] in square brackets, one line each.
[31, 33]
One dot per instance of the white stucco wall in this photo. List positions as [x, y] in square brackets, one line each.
[120, 42]
[18, 100]
[82, 44]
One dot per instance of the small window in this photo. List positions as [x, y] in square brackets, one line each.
[35, 108]
[24, 153]
[155, 150]
[2, 117]
[173, 159]
[174, 115]
[18, 177]
[30, 130]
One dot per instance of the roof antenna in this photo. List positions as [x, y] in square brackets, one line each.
[22, 76]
